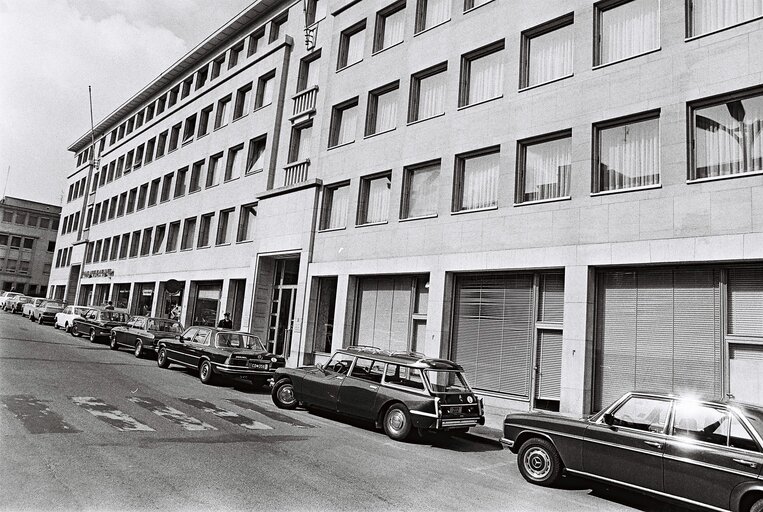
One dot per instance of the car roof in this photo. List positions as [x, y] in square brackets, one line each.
[414, 359]
[700, 398]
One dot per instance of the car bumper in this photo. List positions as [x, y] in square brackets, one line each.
[508, 443]
[432, 422]
[242, 371]
[48, 317]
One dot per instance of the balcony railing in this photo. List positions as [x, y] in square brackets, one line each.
[304, 101]
[295, 172]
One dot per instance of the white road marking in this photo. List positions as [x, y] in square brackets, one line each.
[171, 414]
[107, 413]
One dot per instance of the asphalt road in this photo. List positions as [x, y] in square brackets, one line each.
[86, 428]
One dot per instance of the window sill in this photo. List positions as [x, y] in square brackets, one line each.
[254, 171]
[464, 107]
[547, 82]
[164, 201]
[630, 57]
[725, 177]
[338, 70]
[381, 50]
[475, 210]
[698, 36]
[211, 186]
[172, 150]
[261, 107]
[424, 31]
[186, 142]
[231, 179]
[410, 123]
[219, 127]
[203, 247]
[421, 217]
[340, 145]
[380, 223]
[544, 201]
[194, 192]
[620, 191]
[329, 230]
[372, 135]
[244, 242]
[223, 244]
[201, 135]
[168, 251]
[242, 116]
[477, 7]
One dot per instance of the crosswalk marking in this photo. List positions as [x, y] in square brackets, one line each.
[172, 414]
[274, 415]
[36, 416]
[230, 416]
[110, 414]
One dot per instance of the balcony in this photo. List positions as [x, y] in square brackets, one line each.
[295, 172]
[304, 102]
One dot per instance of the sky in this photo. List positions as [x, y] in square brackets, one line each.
[52, 50]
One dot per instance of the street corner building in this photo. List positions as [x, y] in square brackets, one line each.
[565, 198]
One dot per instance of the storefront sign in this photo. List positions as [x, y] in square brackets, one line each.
[101, 272]
[148, 291]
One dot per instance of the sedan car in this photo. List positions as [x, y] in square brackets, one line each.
[98, 322]
[65, 318]
[214, 352]
[26, 309]
[5, 296]
[16, 304]
[699, 452]
[399, 391]
[141, 333]
[46, 311]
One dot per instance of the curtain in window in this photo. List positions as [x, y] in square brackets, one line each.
[547, 170]
[303, 148]
[337, 215]
[550, 57]
[710, 15]
[267, 91]
[437, 11]
[355, 47]
[729, 138]
[432, 96]
[480, 182]
[313, 68]
[348, 118]
[422, 191]
[386, 111]
[485, 78]
[234, 164]
[394, 28]
[629, 156]
[629, 29]
[377, 208]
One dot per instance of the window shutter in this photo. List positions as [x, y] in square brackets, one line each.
[550, 364]
[745, 301]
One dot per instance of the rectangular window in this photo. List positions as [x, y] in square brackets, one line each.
[275, 27]
[213, 171]
[112, 211]
[217, 66]
[201, 77]
[138, 159]
[134, 244]
[727, 136]
[122, 204]
[481, 75]
[161, 104]
[175, 137]
[626, 29]
[316, 11]
[235, 54]
[335, 206]
[150, 146]
[246, 223]
[711, 15]
[161, 144]
[255, 41]
[352, 42]
[104, 211]
[173, 97]
[149, 112]
[138, 120]
[159, 238]
[428, 88]
[243, 101]
[204, 118]
[309, 67]
[172, 236]
[187, 85]
[471, 4]
[131, 198]
[112, 167]
[476, 180]
[547, 52]
[205, 225]
[190, 128]
[381, 113]
[390, 26]
[145, 246]
[106, 249]
[119, 171]
[166, 187]
[153, 195]
[196, 171]
[142, 196]
[128, 165]
[130, 125]
[299, 149]
[114, 248]
[97, 251]
[420, 190]
[265, 86]
[180, 182]
[235, 162]
[544, 166]
[430, 13]
[373, 204]
[255, 159]
[343, 123]
[189, 233]
[225, 227]
[121, 132]
[223, 112]
[627, 153]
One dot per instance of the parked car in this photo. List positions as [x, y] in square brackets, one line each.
[399, 391]
[141, 333]
[65, 318]
[26, 309]
[46, 311]
[5, 296]
[699, 452]
[98, 322]
[16, 304]
[216, 352]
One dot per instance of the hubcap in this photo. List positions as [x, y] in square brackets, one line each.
[537, 463]
[138, 349]
[204, 371]
[286, 394]
[396, 420]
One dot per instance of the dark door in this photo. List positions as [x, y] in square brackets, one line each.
[321, 387]
[630, 448]
[358, 392]
[196, 347]
[179, 350]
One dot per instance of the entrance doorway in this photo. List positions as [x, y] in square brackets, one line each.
[283, 298]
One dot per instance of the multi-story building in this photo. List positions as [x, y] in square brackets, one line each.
[564, 197]
[27, 239]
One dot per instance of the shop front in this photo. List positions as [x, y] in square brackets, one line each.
[120, 295]
[144, 299]
[205, 302]
[171, 299]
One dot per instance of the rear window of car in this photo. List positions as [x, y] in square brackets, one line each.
[405, 376]
[113, 316]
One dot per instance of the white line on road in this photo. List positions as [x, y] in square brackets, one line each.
[107, 413]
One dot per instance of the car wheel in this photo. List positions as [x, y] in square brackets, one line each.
[39, 319]
[74, 331]
[757, 506]
[283, 394]
[139, 349]
[161, 358]
[67, 328]
[92, 335]
[206, 375]
[55, 324]
[397, 422]
[113, 342]
[539, 462]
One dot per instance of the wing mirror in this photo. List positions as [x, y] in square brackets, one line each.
[179, 338]
[609, 419]
[321, 367]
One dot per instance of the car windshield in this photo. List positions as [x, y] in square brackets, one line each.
[164, 325]
[80, 311]
[53, 304]
[113, 316]
[755, 417]
[238, 340]
[446, 381]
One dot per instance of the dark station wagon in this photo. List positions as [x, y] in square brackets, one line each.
[399, 391]
[699, 452]
[142, 333]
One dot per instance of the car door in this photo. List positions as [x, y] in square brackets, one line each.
[357, 393]
[627, 444]
[179, 349]
[135, 331]
[197, 346]
[709, 444]
[321, 387]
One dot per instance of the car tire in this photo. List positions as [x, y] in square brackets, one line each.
[397, 422]
[283, 394]
[161, 358]
[92, 336]
[138, 349]
[67, 327]
[206, 373]
[539, 462]
[113, 342]
[74, 331]
[39, 319]
[757, 506]
[55, 324]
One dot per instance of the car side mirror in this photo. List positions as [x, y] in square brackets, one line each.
[320, 367]
[609, 419]
[179, 338]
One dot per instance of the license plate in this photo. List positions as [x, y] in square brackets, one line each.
[456, 410]
[258, 366]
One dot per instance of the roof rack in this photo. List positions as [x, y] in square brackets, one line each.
[368, 349]
[410, 353]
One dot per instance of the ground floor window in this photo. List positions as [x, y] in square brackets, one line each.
[205, 306]
[85, 295]
[171, 299]
[120, 295]
[324, 313]
[144, 299]
[101, 294]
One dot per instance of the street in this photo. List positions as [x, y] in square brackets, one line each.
[87, 428]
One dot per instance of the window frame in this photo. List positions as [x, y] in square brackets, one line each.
[521, 161]
[464, 85]
[602, 6]
[372, 108]
[381, 23]
[459, 167]
[408, 172]
[327, 204]
[345, 38]
[361, 219]
[415, 91]
[335, 126]
[540, 30]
